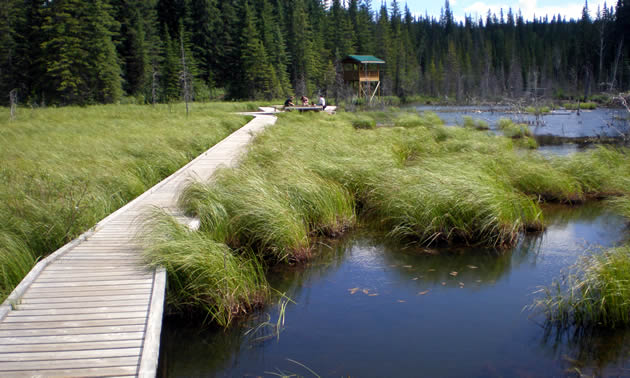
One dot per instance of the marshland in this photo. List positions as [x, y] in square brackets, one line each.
[392, 228]
[337, 235]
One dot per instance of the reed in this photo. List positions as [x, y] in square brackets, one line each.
[203, 273]
[514, 130]
[594, 293]
[477, 124]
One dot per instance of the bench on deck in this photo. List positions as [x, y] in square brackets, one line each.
[299, 108]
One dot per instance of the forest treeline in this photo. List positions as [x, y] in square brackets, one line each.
[101, 51]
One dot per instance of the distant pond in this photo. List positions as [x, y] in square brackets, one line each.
[369, 307]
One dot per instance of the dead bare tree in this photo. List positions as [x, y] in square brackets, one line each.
[13, 101]
[611, 85]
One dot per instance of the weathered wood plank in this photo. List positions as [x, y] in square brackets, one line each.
[51, 356]
[16, 317]
[89, 283]
[76, 299]
[82, 291]
[72, 331]
[75, 311]
[73, 339]
[117, 371]
[73, 323]
[70, 346]
[77, 363]
[93, 306]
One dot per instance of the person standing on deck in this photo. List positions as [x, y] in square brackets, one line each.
[322, 102]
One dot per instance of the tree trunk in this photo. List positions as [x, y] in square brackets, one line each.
[611, 85]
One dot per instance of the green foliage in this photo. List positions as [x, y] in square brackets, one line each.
[82, 52]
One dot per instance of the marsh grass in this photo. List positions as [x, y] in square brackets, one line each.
[514, 130]
[203, 273]
[582, 105]
[477, 124]
[418, 180]
[594, 293]
[64, 169]
[537, 110]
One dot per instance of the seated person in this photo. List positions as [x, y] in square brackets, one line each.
[289, 102]
[322, 102]
[304, 101]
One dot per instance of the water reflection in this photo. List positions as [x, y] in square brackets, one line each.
[367, 306]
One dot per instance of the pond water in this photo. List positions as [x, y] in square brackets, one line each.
[367, 307]
[560, 123]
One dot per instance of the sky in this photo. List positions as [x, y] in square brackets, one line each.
[479, 8]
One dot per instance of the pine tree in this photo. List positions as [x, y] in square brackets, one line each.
[259, 78]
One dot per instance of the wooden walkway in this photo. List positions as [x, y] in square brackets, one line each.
[92, 308]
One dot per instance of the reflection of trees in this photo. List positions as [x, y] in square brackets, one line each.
[561, 215]
[188, 350]
[588, 351]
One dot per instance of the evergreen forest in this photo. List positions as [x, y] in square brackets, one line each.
[63, 52]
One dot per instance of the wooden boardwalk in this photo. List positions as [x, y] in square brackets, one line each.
[92, 308]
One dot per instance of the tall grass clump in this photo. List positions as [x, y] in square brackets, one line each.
[64, 169]
[274, 212]
[364, 123]
[514, 130]
[477, 124]
[594, 293]
[202, 272]
[581, 105]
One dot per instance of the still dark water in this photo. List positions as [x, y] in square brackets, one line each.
[366, 307]
[560, 123]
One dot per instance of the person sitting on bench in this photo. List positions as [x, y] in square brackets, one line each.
[322, 102]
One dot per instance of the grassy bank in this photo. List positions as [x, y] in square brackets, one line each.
[415, 179]
[65, 169]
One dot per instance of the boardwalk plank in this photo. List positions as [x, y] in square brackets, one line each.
[72, 331]
[17, 317]
[76, 363]
[71, 346]
[72, 323]
[104, 297]
[75, 311]
[52, 356]
[73, 339]
[114, 371]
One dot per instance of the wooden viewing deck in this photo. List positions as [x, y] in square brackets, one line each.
[92, 308]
